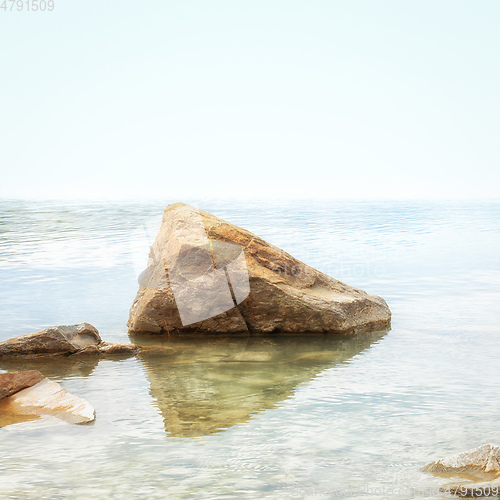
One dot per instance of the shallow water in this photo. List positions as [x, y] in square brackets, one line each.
[273, 417]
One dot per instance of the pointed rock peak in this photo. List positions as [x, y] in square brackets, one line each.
[206, 275]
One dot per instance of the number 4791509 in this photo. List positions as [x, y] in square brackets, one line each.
[33, 5]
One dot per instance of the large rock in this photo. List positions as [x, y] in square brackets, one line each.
[73, 340]
[206, 275]
[12, 382]
[45, 398]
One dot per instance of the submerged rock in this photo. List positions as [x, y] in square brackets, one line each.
[106, 349]
[45, 398]
[206, 275]
[73, 340]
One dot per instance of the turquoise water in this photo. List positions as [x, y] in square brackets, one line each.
[261, 418]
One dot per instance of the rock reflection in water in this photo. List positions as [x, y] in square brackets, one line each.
[55, 368]
[213, 383]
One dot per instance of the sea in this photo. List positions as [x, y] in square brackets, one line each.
[259, 417]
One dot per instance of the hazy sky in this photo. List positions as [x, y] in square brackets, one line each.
[186, 98]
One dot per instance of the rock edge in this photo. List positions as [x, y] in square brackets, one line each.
[64, 341]
[185, 278]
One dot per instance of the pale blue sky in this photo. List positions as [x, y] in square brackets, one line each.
[251, 98]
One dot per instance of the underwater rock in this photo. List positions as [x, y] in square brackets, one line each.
[107, 349]
[54, 340]
[206, 275]
[45, 398]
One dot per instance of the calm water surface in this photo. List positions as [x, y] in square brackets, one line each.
[260, 417]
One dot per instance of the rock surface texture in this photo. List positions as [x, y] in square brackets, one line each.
[206, 275]
[46, 398]
[479, 466]
[73, 340]
[12, 382]
[485, 458]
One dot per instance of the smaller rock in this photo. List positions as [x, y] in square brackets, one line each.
[484, 459]
[47, 398]
[63, 341]
[481, 464]
[12, 382]
[57, 340]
